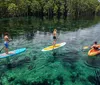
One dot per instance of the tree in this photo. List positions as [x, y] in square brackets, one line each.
[48, 8]
[12, 8]
[74, 8]
[35, 7]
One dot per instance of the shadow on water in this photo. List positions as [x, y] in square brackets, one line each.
[69, 56]
[93, 61]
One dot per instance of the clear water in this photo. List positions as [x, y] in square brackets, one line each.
[68, 65]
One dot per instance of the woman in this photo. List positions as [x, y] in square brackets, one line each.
[54, 36]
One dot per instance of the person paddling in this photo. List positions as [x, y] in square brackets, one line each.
[95, 46]
[6, 42]
[54, 36]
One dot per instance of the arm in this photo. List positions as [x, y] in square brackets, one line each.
[92, 46]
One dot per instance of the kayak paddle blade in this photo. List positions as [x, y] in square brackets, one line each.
[85, 47]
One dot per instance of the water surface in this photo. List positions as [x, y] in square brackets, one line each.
[69, 65]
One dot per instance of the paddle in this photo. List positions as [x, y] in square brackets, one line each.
[1, 49]
[4, 46]
[86, 47]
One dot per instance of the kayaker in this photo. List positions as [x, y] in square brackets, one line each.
[6, 42]
[95, 46]
[54, 36]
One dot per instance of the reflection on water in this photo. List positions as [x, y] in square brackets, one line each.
[70, 61]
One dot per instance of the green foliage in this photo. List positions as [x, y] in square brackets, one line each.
[81, 7]
[12, 8]
[49, 7]
[23, 6]
[35, 6]
[98, 9]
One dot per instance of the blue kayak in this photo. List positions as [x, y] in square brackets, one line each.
[12, 53]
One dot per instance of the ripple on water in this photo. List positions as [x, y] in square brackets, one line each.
[93, 61]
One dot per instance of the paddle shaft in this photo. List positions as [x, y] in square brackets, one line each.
[4, 46]
[1, 48]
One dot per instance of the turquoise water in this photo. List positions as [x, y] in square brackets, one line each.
[68, 65]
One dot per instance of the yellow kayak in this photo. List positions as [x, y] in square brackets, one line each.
[54, 46]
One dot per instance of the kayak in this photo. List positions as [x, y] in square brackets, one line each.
[54, 47]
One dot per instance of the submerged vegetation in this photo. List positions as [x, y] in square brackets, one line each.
[49, 8]
[34, 67]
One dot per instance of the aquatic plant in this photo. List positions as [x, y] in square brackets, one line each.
[96, 78]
